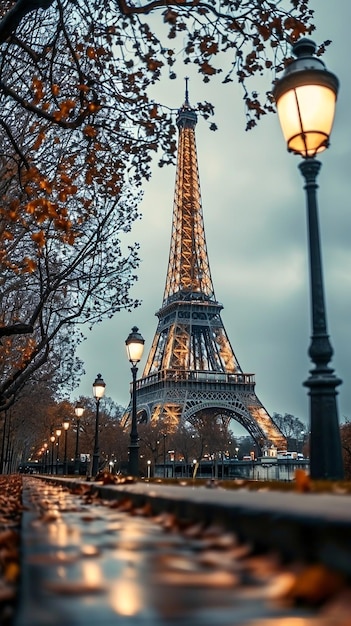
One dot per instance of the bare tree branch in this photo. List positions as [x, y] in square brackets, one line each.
[15, 329]
[11, 19]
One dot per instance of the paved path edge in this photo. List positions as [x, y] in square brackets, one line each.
[308, 527]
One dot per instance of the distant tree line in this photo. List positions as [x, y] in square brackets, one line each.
[293, 428]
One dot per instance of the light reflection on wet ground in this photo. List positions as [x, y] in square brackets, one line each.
[96, 565]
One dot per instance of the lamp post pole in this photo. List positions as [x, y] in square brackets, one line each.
[305, 98]
[325, 453]
[135, 346]
[58, 434]
[45, 457]
[164, 454]
[302, 433]
[98, 391]
[134, 437]
[65, 427]
[96, 440]
[52, 439]
[79, 410]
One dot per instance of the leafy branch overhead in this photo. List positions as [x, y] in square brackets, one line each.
[79, 129]
[79, 73]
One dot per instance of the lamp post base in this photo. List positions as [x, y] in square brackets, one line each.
[133, 465]
[95, 467]
[326, 461]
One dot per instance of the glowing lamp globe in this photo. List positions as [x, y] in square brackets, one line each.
[305, 98]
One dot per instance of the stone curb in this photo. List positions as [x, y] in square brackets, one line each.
[309, 527]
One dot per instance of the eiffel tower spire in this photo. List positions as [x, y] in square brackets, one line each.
[188, 266]
[193, 338]
[191, 368]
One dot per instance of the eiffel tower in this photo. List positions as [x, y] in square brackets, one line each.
[191, 369]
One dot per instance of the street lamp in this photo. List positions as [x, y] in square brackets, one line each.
[164, 454]
[98, 392]
[52, 439]
[194, 467]
[79, 410]
[302, 433]
[41, 454]
[135, 347]
[45, 446]
[58, 435]
[305, 97]
[65, 425]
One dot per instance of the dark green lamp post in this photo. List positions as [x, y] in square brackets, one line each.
[135, 348]
[305, 97]
[98, 392]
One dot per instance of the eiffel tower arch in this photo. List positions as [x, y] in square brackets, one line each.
[191, 369]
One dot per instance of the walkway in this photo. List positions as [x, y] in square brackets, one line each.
[109, 562]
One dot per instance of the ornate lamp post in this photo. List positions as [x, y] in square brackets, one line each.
[41, 453]
[305, 98]
[58, 435]
[79, 410]
[98, 391]
[45, 446]
[135, 347]
[164, 454]
[52, 440]
[65, 425]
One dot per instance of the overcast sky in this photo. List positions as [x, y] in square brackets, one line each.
[255, 223]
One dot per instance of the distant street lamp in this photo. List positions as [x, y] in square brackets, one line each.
[41, 453]
[164, 454]
[65, 425]
[305, 98]
[194, 467]
[52, 440]
[135, 348]
[45, 446]
[58, 435]
[302, 433]
[79, 410]
[98, 391]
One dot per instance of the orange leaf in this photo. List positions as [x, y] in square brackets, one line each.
[93, 107]
[206, 68]
[89, 131]
[91, 54]
[83, 88]
[39, 238]
[44, 184]
[55, 90]
[29, 265]
[315, 584]
[302, 481]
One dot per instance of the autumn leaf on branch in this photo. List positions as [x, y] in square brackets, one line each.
[79, 131]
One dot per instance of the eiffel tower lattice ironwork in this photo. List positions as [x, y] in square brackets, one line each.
[191, 368]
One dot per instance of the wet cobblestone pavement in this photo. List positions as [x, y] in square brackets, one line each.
[90, 562]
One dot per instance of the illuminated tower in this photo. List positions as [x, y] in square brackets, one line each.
[191, 368]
